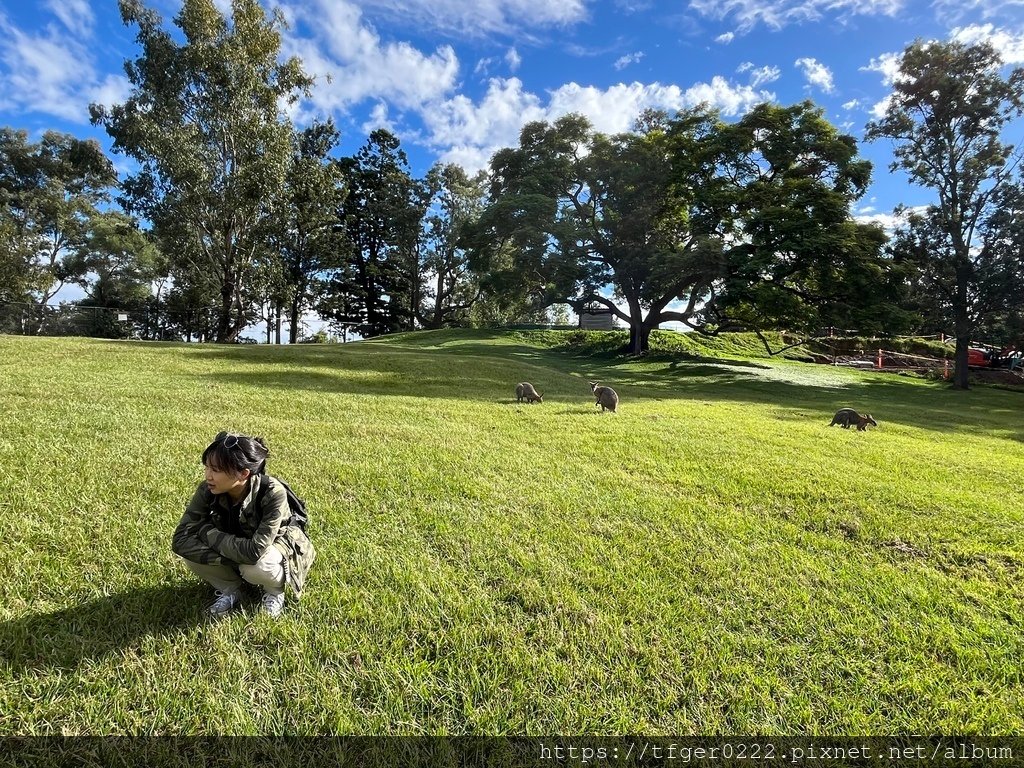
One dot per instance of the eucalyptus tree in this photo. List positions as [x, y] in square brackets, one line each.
[51, 192]
[1002, 273]
[949, 106]
[204, 122]
[13, 262]
[995, 305]
[305, 233]
[14, 278]
[452, 288]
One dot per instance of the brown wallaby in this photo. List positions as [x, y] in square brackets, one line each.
[606, 396]
[847, 416]
[525, 391]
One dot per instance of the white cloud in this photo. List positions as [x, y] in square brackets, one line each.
[762, 75]
[50, 73]
[851, 104]
[469, 133]
[513, 59]
[731, 100]
[880, 108]
[115, 89]
[629, 58]
[952, 11]
[890, 221]
[460, 124]
[780, 13]
[1010, 46]
[888, 65]
[378, 119]
[481, 17]
[352, 63]
[725, 38]
[816, 73]
[76, 15]
[634, 6]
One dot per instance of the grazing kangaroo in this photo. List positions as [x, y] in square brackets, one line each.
[606, 397]
[525, 391]
[847, 416]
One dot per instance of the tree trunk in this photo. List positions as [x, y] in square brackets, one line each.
[227, 290]
[414, 290]
[278, 306]
[436, 321]
[962, 329]
[960, 358]
[639, 337]
[293, 317]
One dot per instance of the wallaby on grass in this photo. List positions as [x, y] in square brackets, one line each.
[525, 391]
[606, 397]
[847, 416]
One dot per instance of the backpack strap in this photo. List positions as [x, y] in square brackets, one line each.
[296, 507]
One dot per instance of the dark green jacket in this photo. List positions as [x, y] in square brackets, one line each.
[209, 532]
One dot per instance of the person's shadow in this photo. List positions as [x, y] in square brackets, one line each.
[101, 626]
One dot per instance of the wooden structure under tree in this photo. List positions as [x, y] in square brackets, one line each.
[596, 317]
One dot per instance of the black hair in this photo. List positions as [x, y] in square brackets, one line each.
[232, 453]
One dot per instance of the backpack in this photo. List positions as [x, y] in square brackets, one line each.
[295, 504]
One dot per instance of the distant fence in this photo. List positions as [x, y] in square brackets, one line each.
[888, 360]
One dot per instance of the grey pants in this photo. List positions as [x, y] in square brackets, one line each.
[267, 572]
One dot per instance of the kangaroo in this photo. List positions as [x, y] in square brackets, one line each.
[846, 416]
[606, 397]
[525, 391]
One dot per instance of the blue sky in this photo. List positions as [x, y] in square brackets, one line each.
[457, 79]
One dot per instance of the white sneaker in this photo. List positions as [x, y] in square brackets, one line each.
[273, 604]
[222, 604]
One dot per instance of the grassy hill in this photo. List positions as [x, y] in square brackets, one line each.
[711, 559]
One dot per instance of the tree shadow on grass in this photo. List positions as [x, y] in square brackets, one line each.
[698, 363]
[442, 370]
[931, 407]
[99, 627]
[413, 373]
[346, 355]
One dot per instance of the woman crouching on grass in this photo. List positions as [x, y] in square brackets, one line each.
[239, 527]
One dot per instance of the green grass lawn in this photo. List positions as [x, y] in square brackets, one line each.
[712, 559]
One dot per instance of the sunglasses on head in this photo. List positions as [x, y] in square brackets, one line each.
[230, 441]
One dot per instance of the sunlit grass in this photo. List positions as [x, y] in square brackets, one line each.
[713, 558]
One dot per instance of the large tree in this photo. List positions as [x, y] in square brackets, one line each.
[949, 105]
[50, 194]
[204, 122]
[119, 263]
[995, 300]
[305, 233]
[1002, 274]
[686, 219]
[450, 288]
[374, 288]
[778, 206]
[572, 210]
